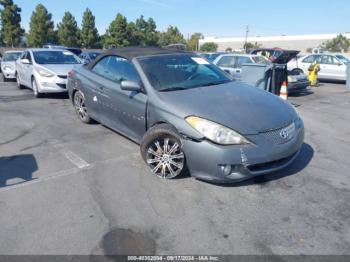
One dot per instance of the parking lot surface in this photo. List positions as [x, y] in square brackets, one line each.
[71, 188]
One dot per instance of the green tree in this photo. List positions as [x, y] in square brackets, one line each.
[89, 34]
[10, 16]
[337, 44]
[68, 31]
[209, 47]
[249, 45]
[118, 34]
[171, 36]
[146, 32]
[193, 42]
[41, 27]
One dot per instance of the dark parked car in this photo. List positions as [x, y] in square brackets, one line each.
[187, 114]
[88, 56]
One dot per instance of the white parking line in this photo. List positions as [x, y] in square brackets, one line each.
[75, 159]
[38, 180]
[68, 172]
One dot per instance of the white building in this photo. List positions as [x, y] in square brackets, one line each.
[297, 42]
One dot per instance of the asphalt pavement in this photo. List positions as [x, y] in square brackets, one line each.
[71, 188]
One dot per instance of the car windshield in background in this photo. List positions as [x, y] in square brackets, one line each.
[210, 57]
[343, 59]
[94, 55]
[260, 60]
[176, 72]
[10, 57]
[55, 57]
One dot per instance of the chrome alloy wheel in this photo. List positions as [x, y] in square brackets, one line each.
[79, 105]
[165, 158]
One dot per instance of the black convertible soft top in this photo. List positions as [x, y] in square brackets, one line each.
[135, 51]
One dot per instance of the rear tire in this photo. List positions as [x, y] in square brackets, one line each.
[161, 149]
[80, 108]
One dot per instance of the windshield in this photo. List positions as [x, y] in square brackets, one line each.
[10, 57]
[55, 57]
[181, 71]
[343, 59]
[260, 60]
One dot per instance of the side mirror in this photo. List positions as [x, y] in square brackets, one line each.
[130, 86]
[339, 63]
[25, 61]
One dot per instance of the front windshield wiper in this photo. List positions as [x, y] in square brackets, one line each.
[216, 83]
[173, 88]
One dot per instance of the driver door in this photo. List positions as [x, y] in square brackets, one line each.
[124, 111]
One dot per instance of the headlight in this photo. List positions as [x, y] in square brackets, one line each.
[292, 79]
[215, 132]
[44, 73]
[9, 67]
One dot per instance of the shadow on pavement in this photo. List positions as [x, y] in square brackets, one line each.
[300, 163]
[18, 167]
[305, 92]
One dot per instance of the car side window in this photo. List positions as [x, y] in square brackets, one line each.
[116, 69]
[29, 57]
[310, 59]
[242, 60]
[227, 61]
[23, 55]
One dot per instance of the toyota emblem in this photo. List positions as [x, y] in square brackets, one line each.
[284, 134]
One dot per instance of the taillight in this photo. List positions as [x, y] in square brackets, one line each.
[70, 73]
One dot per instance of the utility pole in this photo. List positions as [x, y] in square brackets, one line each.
[246, 38]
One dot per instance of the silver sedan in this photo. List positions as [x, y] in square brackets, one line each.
[45, 70]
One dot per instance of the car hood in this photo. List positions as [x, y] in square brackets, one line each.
[246, 109]
[11, 63]
[59, 69]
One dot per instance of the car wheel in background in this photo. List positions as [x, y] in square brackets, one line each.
[297, 71]
[80, 108]
[37, 94]
[161, 149]
[19, 85]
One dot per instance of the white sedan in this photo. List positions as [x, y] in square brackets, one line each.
[45, 70]
[8, 64]
[332, 68]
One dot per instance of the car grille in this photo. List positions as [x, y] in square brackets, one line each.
[62, 76]
[62, 85]
[281, 135]
[271, 165]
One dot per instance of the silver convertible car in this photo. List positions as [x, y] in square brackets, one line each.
[187, 114]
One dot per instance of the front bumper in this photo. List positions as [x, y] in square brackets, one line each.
[206, 160]
[8, 73]
[54, 84]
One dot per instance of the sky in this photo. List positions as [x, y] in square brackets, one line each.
[221, 18]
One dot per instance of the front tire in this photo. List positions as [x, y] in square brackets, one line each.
[80, 108]
[18, 81]
[35, 88]
[161, 149]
